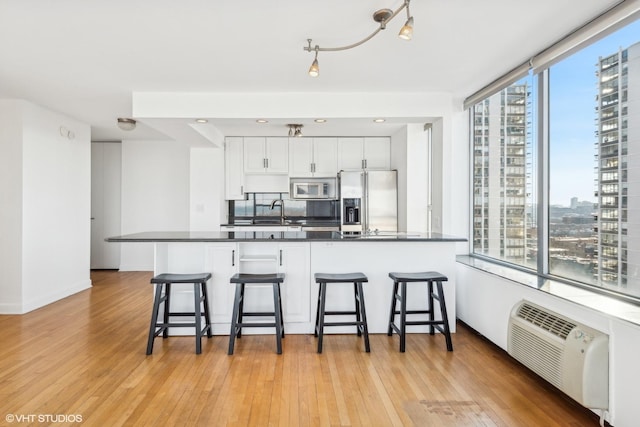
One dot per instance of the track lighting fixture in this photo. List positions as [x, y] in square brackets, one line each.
[382, 17]
[295, 130]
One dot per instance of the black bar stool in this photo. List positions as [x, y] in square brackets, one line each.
[238, 307]
[165, 281]
[361, 315]
[441, 325]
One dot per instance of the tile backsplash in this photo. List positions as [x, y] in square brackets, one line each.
[258, 205]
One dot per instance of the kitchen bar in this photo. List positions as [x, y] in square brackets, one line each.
[299, 255]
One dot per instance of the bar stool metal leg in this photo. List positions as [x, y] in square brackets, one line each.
[357, 302]
[320, 320]
[445, 318]
[363, 318]
[197, 317]
[234, 318]
[393, 312]
[403, 317]
[317, 324]
[207, 316]
[430, 309]
[167, 309]
[277, 309]
[154, 318]
[280, 304]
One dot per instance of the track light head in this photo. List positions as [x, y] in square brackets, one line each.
[406, 32]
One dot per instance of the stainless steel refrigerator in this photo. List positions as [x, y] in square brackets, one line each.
[368, 201]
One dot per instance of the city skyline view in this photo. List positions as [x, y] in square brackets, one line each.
[573, 90]
[592, 162]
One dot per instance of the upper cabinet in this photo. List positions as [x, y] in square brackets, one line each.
[266, 155]
[264, 164]
[364, 153]
[233, 168]
[313, 157]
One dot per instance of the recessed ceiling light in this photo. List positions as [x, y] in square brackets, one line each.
[379, 120]
[202, 121]
[262, 121]
[320, 120]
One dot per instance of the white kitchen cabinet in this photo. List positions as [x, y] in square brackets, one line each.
[266, 155]
[310, 157]
[234, 172]
[290, 258]
[300, 157]
[377, 153]
[222, 260]
[294, 261]
[364, 153]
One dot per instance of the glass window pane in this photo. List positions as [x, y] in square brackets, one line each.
[594, 164]
[504, 217]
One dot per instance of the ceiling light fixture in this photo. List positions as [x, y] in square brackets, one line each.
[202, 121]
[295, 130]
[382, 16]
[320, 120]
[378, 120]
[262, 121]
[126, 124]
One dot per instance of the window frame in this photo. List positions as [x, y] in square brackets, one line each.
[542, 180]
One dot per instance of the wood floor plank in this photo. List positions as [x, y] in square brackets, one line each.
[85, 355]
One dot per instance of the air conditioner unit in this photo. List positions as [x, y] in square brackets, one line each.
[572, 357]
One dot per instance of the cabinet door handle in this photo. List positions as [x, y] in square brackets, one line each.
[363, 165]
[233, 258]
[242, 189]
[266, 162]
[280, 257]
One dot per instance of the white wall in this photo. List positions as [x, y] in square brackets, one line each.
[418, 170]
[410, 155]
[155, 195]
[399, 162]
[484, 301]
[50, 198]
[207, 204]
[10, 207]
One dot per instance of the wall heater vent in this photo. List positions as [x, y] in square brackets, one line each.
[572, 357]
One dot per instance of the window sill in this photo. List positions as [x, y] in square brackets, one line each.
[608, 305]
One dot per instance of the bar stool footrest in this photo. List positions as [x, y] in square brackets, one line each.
[339, 313]
[343, 324]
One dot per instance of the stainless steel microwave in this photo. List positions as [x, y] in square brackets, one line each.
[313, 188]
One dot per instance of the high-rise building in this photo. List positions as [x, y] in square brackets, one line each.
[500, 174]
[618, 171]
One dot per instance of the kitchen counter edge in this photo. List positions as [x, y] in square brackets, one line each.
[268, 236]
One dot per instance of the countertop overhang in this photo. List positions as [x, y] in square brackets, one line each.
[266, 236]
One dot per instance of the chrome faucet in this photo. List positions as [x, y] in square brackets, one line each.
[273, 205]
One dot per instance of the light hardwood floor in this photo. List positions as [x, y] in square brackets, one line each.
[85, 356]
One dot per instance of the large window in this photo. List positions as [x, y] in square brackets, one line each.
[592, 235]
[504, 214]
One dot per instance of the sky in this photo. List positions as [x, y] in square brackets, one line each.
[573, 90]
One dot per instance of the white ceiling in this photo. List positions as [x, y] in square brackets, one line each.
[86, 58]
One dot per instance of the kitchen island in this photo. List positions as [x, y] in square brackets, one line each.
[299, 255]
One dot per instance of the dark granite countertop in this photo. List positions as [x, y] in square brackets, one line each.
[265, 236]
